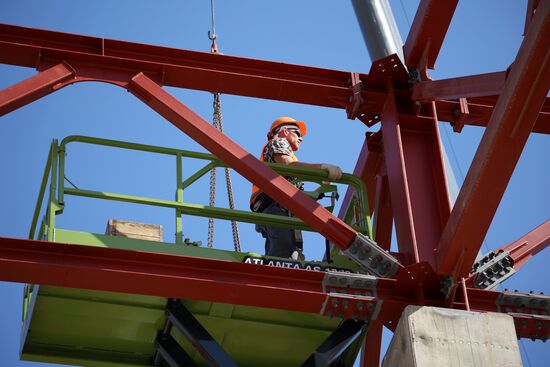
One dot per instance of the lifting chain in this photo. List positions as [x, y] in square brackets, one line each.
[217, 122]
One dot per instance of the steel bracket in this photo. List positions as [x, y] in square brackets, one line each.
[350, 296]
[526, 303]
[355, 100]
[372, 257]
[492, 270]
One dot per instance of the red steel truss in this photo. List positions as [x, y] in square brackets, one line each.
[401, 165]
[138, 272]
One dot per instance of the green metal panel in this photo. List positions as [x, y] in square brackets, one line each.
[93, 328]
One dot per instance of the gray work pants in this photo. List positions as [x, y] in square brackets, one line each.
[280, 242]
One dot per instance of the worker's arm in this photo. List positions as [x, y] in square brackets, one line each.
[334, 172]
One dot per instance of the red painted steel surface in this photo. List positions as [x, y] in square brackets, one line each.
[429, 27]
[418, 188]
[500, 148]
[242, 161]
[77, 266]
[179, 68]
[480, 111]
[33, 88]
[368, 163]
[98, 58]
[370, 353]
[524, 248]
[407, 149]
[383, 217]
[468, 86]
[137, 272]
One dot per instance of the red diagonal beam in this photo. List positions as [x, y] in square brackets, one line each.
[429, 27]
[242, 161]
[524, 248]
[530, 12]
[469, 86]
[33, 88]
[179, 68]
[499, 150]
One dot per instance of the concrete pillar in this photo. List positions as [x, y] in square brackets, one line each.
[431, 336]
[140, 231]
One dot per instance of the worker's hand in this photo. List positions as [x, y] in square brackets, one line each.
[334, 172]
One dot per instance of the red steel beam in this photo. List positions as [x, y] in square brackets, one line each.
[179, 68]
[464, 87]
[416, 175]
[480, 113]
[383, 215]
[428, 30]
[499, 150]
[194, 278]
[366, 167]
[242, 161]
[136, 272]
[33, 88]
[530, 12]
[164, 275]
[94, 57]
[370, 353]
[524, 248]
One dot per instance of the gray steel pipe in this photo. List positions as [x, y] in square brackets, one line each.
[379, 29]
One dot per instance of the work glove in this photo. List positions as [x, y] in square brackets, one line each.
[334, 172]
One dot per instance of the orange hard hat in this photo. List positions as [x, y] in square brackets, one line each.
[286, 121]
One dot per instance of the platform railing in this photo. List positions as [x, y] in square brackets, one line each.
[54, 172]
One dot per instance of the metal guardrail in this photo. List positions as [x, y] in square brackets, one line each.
[54, 172]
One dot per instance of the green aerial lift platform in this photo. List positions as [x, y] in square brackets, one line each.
[97, 328]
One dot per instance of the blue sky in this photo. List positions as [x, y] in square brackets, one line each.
[483, 37]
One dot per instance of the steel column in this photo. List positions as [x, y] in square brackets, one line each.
[379, 29]
[370, 353]
[242, 161]
[383, 215]
[33, 88]
[499, 150]
[416, 176]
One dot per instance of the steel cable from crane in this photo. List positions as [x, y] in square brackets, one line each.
[217, 122]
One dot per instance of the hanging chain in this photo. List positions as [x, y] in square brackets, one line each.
[212, 196]
[217, 122]
[234, 227]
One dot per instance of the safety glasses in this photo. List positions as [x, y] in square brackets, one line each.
[296, 131]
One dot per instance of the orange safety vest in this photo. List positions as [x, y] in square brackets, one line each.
[255, 189]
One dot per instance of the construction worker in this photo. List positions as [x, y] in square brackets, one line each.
[283, 139]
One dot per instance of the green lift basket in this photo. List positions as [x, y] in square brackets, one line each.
[97, 328]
